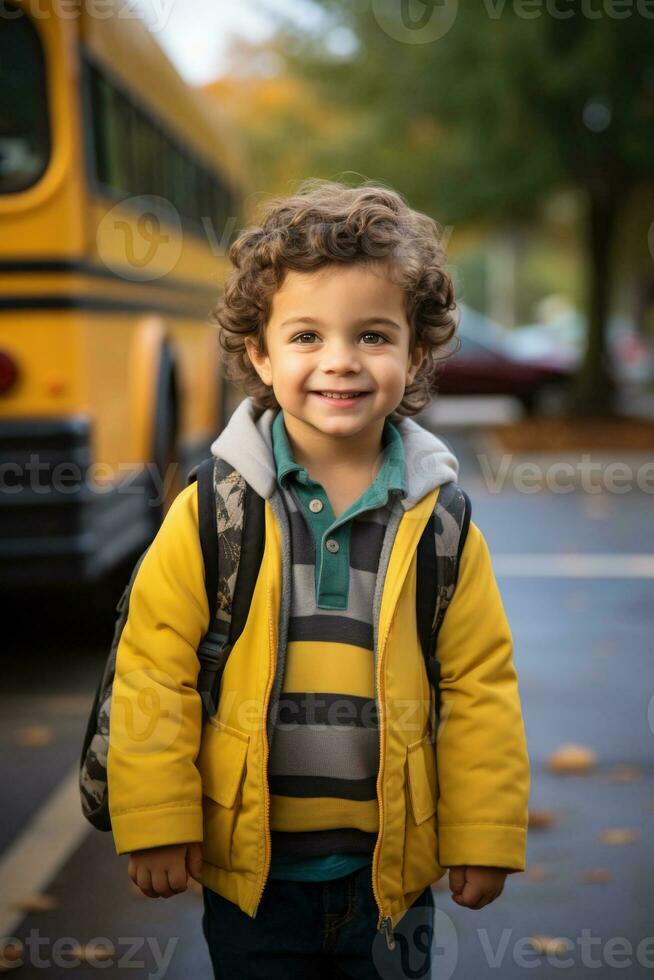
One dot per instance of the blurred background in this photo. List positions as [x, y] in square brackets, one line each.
[136, 141]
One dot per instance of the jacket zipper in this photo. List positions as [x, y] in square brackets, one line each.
[267, 858]
[384, 922]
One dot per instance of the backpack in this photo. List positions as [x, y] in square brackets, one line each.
[231, 528]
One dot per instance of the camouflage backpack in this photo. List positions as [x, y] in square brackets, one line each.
[232, 527]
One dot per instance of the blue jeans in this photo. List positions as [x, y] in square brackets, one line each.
[315, 930]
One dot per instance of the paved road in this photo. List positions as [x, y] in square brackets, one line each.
[583, 649]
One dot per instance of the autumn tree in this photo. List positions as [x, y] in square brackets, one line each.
[480, 111]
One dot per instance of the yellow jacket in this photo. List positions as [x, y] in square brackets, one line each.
[461, 799]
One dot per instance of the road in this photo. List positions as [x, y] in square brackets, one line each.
[584, 653]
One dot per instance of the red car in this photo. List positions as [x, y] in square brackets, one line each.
[486, 367]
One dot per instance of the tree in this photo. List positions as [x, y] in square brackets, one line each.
[499, 105]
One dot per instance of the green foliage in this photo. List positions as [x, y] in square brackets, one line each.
[509, 98]
[509, 103]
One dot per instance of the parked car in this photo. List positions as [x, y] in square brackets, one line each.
[485, 364]
[630, 357]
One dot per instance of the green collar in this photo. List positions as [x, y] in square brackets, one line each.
[391, 475]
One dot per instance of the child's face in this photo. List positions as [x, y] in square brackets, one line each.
[341, 328]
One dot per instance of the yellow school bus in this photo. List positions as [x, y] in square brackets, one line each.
[120, 189]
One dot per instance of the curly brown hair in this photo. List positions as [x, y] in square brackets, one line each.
[325, 223]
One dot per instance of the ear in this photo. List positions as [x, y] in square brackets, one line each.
[260, 361]
[415, 360]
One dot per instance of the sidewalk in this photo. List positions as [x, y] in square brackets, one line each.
[637, 402]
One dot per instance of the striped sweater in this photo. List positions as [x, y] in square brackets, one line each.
[324, 756]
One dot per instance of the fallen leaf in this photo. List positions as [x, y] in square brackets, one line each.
[69, 704]
[538, 872]
[625, 774]
[619, 835]
[37, 903]
[540, 819]
[10, 952]
[572, 758]
[593, 875]
[33, 737]
[551, 945]
[89, 952]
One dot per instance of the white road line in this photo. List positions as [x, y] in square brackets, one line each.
[40, 850]
[574, 565]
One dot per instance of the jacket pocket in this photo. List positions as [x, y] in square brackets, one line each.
[221, 761]
[422, 778]
[420, 860]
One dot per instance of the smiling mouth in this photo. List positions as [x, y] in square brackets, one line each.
[340, 395]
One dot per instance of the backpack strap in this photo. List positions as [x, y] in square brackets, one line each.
[204, 474]
[439, 554]
[231, 528]
[231, 520]
[231, 525]
[451, 522]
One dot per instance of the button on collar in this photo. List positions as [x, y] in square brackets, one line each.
[315, 505]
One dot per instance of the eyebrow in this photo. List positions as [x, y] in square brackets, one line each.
[363, 322]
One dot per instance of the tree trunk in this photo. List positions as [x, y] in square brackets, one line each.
[595, 390]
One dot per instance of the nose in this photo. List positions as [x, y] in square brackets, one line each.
[339, 356]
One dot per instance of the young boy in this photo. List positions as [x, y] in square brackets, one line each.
[317, 807]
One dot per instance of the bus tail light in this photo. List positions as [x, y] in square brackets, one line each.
[8, 372]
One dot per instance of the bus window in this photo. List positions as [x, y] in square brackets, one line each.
[122, 124]
[144, 155]
[24, 129]
[101, 107]
[112, 114]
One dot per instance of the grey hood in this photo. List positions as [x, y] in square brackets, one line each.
[246, 443]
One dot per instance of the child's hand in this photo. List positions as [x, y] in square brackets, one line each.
[474, 886]
[163, 871]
